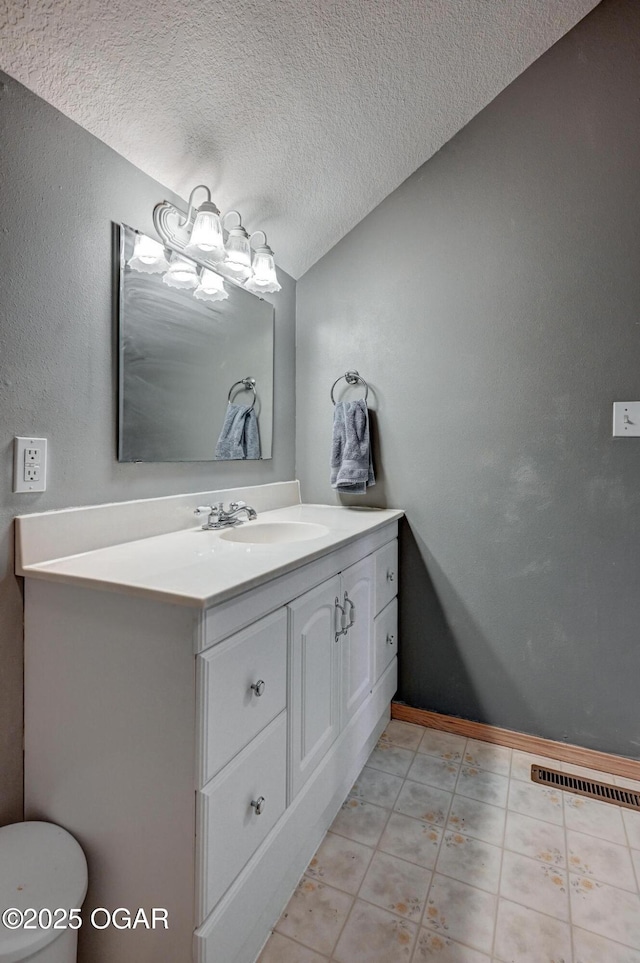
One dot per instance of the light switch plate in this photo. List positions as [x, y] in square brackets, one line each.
[626, 419]
[30, 465]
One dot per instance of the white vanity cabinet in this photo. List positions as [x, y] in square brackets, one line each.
[199, 755]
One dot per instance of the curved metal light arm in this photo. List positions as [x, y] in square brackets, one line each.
[264, 236]
[197, 188]
[238, 215]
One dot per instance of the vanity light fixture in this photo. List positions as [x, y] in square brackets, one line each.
[202, 234]
[237, 263]
[206, 234]
[264, 278]
[211, 287]
[148, 256]
[182, 273]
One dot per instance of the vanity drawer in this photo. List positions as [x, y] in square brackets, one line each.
[230, 711]
[386, 638]
[386, 574]
[230, 828]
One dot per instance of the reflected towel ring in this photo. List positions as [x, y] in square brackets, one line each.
[352, 378]
[249, 385]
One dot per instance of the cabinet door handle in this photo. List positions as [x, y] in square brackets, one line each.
[258, 687]
[390, 638]
[352, 613]
[344, 628]
[391, 576]
[258, 805]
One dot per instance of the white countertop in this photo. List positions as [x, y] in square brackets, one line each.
[199, 568]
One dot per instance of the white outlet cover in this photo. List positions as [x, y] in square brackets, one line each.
[30, 453]
[626, 419]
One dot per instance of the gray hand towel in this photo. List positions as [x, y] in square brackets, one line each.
[239, 437]
[351, 461]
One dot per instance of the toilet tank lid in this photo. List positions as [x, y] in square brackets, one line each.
[41, 867]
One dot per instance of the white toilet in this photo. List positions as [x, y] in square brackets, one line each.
[41, 867]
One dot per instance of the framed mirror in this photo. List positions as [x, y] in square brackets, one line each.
[185, 368]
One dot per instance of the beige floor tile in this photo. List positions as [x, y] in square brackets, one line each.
[605, 910]
[632, 825]
[521, 763]
[594, 818]
[340, 862]
[372, 935]
[460, 912]
[424, 802]
[535, 838]
[411, 839]
[470, 861]
[535, 885]
[445, 745]
[403, 734]
[374, 786]
[390, 758]
[600, 859]
[484, 755]
[590, 948]
[315, 915]
[635, 859]
[280, 949]
[434, 771]
[488, 787]
[361, 821]
[478, 819]
[396, 886]
[524, 936]
[433, 948]
[535, 801]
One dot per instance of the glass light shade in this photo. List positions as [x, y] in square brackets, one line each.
[263, 279]
[148, 256]
[181, 273]
[238, 260]
[211, 287]
[206, 236]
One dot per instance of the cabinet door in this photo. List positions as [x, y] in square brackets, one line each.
[315, 682]
[357, 645]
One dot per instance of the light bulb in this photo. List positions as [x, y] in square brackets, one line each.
[206, 235]
[181, 274]
[211, 287]
[264, 279]
[238, 260]
[148, 256]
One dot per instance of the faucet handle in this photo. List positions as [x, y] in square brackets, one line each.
[203, 510]
[208, 509]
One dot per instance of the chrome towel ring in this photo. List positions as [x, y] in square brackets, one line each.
[352, 378]
[249, 384]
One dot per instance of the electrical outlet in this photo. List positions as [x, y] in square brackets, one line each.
[30, 465]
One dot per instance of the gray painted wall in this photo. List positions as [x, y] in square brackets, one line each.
[61, 188]
[493, 301]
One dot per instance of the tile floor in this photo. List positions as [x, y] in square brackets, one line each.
[446, 852]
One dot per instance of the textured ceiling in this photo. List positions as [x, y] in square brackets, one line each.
[304, 114]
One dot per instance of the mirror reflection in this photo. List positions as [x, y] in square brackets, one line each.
[195, 376]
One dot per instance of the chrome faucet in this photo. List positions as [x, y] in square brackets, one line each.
[219, 517]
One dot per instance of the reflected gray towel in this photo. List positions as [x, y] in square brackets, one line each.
[351, 461]
[239, 437]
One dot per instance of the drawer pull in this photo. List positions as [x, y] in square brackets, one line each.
[390, 638]
[258, 805]
[258, 688]
[391, 576]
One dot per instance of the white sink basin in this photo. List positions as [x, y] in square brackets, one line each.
[274, 533]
